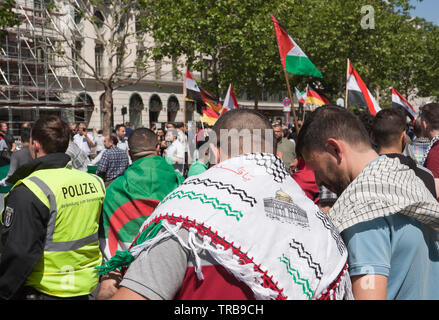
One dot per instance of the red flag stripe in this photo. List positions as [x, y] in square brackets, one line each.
[283, 41]
[363, 89]
[125, 214]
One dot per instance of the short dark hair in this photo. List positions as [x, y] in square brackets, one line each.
[241, 119]
[367, 119]
[430, 114]
[388, 126]
[142, 140]
[114, 139]
[418, 128]
[52, 133]
[331, 121]
[118, 126]
[25, 135]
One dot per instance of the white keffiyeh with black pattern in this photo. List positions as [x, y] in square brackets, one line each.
[385, 187]
[254, 220]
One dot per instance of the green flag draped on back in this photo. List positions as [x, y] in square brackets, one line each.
[131, 198]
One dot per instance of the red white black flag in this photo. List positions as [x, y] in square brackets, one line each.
[193, 92]
[230, 101]
[398, 101]
[358, 94]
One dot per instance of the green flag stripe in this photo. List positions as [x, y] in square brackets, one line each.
[130, 230]
[301, 66]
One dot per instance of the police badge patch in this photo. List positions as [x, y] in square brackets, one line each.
[8, 216]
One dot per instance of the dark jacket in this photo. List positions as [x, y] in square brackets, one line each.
[23, 235]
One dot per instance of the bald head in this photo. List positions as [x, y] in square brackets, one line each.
[241, 131]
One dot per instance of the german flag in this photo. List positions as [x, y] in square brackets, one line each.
[211, 101]
[312, 97]
[209, 116]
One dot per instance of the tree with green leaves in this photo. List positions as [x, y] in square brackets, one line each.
[8, 17]
[213, 36]
[235, 42]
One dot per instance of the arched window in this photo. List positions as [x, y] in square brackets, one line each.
[135, 111]
[155, 106]
[85, 106]
[98, 18]
[189, 112]
[173, 107]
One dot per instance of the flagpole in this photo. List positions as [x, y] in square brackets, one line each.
[347, 79]
[184, 98]
[291, 99]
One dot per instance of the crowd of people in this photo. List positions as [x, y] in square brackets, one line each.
[343, 207]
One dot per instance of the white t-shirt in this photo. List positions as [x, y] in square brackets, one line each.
[100, 143]
[175, 150]
[123, 145]
[81, 141]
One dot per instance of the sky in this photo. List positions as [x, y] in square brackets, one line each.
[428, 9]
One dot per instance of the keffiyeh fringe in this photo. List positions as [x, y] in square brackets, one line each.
[243, 272]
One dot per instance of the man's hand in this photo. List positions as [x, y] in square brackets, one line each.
[109, 285]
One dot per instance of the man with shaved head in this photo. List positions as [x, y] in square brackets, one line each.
[241, 230]
[133, 196]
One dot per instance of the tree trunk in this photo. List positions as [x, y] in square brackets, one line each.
[107, 109]
[256, 103]
[257, 94]
[377, 93]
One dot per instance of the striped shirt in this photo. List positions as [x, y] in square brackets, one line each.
[416, 150]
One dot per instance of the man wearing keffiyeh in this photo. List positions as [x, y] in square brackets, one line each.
[385, 214]
[241, 230]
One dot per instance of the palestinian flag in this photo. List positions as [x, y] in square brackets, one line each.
[230, 101]
[358, 94]
[193, 92]
[301, 97]
[312, 97]
[293, 59]
[131, 198]
[209, 116]
[398, 101]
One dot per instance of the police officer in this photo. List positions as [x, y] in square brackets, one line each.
[50, 223]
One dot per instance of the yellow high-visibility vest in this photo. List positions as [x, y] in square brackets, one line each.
[71, 250]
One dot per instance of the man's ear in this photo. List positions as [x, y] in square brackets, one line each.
[403, 140]
[425, 126]
[335, 148]
[36, 149]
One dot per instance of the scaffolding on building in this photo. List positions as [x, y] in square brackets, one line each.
[34, 79]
